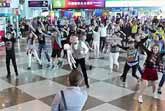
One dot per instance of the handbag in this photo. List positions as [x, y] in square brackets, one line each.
[64, 102]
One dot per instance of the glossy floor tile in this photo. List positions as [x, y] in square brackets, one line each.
[35, 89]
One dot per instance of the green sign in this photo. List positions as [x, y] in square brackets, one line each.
[59, 3]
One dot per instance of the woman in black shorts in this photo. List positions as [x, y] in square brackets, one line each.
[56, 48]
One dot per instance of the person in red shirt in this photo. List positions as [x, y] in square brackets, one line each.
[56, 47]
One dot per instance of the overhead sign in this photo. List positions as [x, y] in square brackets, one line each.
[134, 3]
[87, 4]
[38, 3]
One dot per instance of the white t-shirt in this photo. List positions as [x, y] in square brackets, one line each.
[96, 36]
[103, 31]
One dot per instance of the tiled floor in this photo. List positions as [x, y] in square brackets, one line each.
[34, 90]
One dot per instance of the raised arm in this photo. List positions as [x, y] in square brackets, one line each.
[141, 42]
[145, 49]
[122, 47]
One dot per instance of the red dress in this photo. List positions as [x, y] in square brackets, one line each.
[150, 71]
[150, 74]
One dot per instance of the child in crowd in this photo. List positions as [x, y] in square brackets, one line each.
[150, 71]
[132, 59]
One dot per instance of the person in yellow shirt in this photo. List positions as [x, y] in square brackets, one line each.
[134, 28]
[161, 32]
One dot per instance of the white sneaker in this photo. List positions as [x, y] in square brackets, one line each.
[140, 99]
[155, 95]
[123, 84]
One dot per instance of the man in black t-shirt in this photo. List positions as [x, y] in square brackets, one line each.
[10, 52]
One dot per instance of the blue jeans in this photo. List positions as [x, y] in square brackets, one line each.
[162, 80]
[44, 48]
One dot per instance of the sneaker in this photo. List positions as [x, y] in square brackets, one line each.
[60, 63]
[40, 66]
[29, 68]
[155, 96]
[90, 67]
[48, 65]
[16, 74]
[159, 91]
[121, 78]
[123, 84]
[8, 76]
[140, 99]
[52, 67]
[87, 86]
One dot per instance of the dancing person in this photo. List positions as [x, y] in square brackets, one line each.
[80, 51]
[150, 71]
[56, 48]
[96, 42]
[31, 49]
[103, 35]
[43, 46]
[114, 52]
[9, 40]
[132, 60]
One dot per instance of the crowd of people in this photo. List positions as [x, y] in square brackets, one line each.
[142, 39]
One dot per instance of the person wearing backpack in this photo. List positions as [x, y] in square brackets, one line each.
[73, 98]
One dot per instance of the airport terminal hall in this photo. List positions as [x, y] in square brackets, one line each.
[82, 55]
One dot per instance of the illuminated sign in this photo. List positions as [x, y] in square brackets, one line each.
[78, 4]
[38, 3]
[134, 3]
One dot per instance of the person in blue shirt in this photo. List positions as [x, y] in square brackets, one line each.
[73, 97]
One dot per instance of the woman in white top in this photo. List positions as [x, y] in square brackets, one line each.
[96, 41]
[103, 35]
[72, 98]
